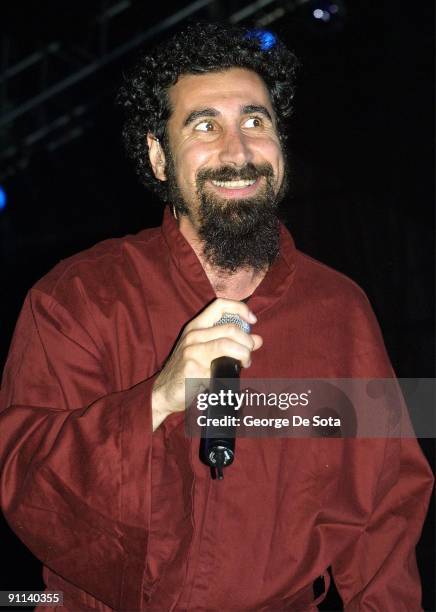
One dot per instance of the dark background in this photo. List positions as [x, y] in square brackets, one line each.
[361, 147]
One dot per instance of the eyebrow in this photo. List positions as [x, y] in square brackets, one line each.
[212, 112]
[196, 114]
[254, 108]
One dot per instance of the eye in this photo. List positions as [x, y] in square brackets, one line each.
[204, 126]
[253, 122]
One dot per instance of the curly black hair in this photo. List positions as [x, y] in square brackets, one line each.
[199, 48]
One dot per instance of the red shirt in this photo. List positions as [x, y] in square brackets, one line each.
[126, 519]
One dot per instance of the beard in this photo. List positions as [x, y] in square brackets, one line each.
[235, 233]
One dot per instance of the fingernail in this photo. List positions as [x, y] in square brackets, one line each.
[253, 317]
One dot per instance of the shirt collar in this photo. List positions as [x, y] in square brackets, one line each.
[276, 281]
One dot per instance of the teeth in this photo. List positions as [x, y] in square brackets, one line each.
[234, 184]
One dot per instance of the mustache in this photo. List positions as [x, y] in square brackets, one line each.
[249, 172]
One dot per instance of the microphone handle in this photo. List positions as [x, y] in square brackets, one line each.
[218, 452]
[225, 367]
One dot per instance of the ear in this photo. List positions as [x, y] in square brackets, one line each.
[157, 157]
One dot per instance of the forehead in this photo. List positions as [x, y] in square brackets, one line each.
[230, 88]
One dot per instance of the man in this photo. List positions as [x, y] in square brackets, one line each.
[98, 477]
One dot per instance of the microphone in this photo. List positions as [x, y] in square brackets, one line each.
[219, 452]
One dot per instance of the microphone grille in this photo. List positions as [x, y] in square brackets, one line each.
[228, 317]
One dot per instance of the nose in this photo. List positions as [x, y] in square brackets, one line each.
[235, 149]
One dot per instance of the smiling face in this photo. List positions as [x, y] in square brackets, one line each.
[225, 165]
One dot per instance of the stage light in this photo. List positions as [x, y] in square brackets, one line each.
[267, 39]
[3, 198]
[326, 16]
[320, 14]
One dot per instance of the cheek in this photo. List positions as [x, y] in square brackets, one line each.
[272, 153]
[192, 159]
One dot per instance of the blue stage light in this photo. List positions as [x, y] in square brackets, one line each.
[3, 198]
[266, 39]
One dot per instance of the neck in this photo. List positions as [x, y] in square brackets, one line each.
[231, 285]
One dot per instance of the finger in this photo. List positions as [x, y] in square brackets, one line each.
[258, 341]
[199, 336]
[224, 347]
[215, 311]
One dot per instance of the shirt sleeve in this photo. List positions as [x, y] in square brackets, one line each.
[388, 485]
[75, 455]
[378, 571]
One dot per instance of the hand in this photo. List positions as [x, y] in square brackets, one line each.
[199, 344]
